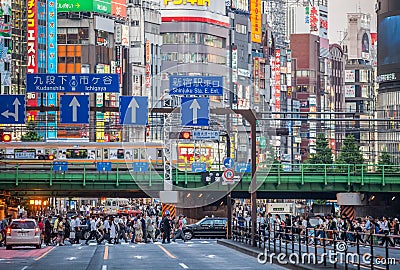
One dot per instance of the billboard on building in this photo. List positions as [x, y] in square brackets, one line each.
[118, 8]
[100, 6]
[216, 6]
[278, 80]
[323, 21]
[32, 50]
[240, 5]
[389, 46]
[350, 75]
[350, 91]
[255, 19]
[256, 62]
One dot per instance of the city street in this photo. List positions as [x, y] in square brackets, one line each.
[195, 254]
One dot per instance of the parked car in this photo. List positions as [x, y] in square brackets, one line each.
[23, 232]
[207, 227]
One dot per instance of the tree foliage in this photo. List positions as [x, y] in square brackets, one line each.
[31, 135]
[350, 152]
[323, 153]
[386, 159]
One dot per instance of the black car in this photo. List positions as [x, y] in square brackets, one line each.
[207, 227]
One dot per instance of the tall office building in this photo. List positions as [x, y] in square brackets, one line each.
[144, 63]
[89, 40]
[359, 83]
[389, 76]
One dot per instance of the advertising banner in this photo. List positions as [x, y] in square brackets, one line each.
[100, 6]
[255, 19]
[118, 8]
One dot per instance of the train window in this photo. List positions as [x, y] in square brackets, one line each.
[120, 153]
[99, 154]
[142, 153]
[2, 153]
[92, 154]
[25, 154]
[159, 153]
[128, 154]
[77, 153]
[105, 151]
[135, 153]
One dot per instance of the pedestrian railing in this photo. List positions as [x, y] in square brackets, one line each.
[325, 247]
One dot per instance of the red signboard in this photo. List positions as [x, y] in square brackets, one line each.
[313, 19]
[32, 37]
[118, 8]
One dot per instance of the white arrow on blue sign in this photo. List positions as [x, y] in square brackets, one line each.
[12, 109]
[195, 111]
[74, 109]
[133, 110]
[228, 163]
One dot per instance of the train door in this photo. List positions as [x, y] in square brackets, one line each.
[106, 153]
[99, 154]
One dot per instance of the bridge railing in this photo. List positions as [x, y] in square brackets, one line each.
[269, 174]
[299, 245]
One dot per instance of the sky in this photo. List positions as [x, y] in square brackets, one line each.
[337, 16]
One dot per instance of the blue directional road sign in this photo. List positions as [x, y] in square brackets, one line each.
[74, 109]
[243, 167]
[104, 166]
[12, 109]
[199, 167]
[196, 85]
[195, 112]
[133, 110]
[228, 163]
[87, 83]
[60, 166]
[140, 166]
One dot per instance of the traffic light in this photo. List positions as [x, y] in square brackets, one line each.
[185, 135]
[6, 138]
[147, 131]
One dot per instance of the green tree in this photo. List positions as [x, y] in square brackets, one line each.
[386, 159]
[31, 135]
[350, 152]
[323, 153]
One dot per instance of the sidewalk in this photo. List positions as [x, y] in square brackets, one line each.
[255, 251]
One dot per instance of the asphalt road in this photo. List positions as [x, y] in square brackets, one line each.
[195, 254]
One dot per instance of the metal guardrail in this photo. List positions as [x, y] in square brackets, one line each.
[324, 247]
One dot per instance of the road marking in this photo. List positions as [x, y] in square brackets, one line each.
[104, 267]
[44, 254]
[138, 257]
[92, 244]
[105, 253]
[25, 267]
[205, 242]
[167, 252]
[210, 256]
[71, 258]
[184, 266]
[189, 242]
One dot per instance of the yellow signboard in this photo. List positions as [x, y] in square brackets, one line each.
[255, 18]
[187, 2]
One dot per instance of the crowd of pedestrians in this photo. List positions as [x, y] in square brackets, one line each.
[149, 226]
[366, 230]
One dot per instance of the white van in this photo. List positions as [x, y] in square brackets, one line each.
[112, 205]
